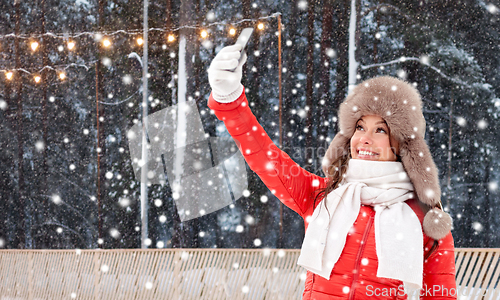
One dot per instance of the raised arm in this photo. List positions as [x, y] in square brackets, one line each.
[293, 185]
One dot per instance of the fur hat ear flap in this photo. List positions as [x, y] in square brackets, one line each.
[338, 147]
[422, 170]
[423, 173]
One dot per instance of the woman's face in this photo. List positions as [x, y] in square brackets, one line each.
[372, 140]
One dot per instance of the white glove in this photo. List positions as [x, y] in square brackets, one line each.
[224, 74]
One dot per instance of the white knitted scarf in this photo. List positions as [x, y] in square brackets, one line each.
[398, 232]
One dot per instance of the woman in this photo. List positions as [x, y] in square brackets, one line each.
[374, 226]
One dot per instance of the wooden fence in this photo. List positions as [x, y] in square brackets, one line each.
[192, 274]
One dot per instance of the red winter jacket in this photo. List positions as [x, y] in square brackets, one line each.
[354, 274]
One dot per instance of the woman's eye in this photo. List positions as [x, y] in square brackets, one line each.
[382, 130]
[359, 127]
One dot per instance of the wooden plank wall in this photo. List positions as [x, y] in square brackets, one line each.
[192, 274]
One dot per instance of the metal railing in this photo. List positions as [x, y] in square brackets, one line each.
[192, 274]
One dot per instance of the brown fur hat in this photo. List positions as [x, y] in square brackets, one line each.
[400, 105]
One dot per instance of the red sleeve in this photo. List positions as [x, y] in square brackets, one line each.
[439, 272]
[293, 185]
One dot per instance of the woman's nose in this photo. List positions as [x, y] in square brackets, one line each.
[365, 139]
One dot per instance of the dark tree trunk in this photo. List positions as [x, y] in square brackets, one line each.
[326, 103]
[168, 20]
[20, 237]
[246, 9]
[101, 146]
[487, 207]
[341, 35]
[309, 145]
[375, 41]
[288, 79]
[43, 240]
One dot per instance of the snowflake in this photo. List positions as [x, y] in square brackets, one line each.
[302, 5]
[249, 219]
[281, 253]
[492, 8]
[330, 52]
[492, 186]
[39, 145]
[477, 226]
[104, 268]
[124, 202]
[482, 124]
[461, 121]
[303, 276]
[114, 233]
[402, 74]
[56, 199]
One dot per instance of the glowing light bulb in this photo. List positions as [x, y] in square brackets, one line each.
[171, 38]
[62, 75]
[204, 34]
[34, 46]
[71, 45]
[232, 31]
[37, 78]
[106, 42]
[260, 26]
[140, 41]
[9, 75]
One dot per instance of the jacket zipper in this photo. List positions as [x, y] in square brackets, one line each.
[361, 250]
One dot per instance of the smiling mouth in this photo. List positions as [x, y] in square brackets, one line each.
[369, 153]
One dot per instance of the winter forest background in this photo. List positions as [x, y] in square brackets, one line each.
[50, 139]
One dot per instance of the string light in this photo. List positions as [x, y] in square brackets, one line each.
[106, 42]
[34, 46]
[87, 67]
[170, 38]
[64, 36]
